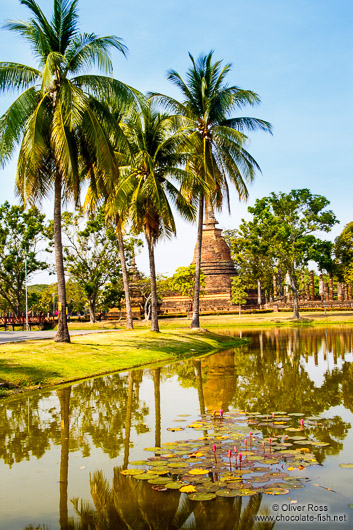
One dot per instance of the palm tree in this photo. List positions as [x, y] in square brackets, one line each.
[145, 184]
[59, 120]
[216, 140]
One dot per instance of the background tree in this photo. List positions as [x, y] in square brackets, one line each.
[216, 140]
[252, 261]
[91, 253]
[183, 281]
[343, 250]
[287, 224]
[239, 294]
[20, 234]
[143, 287]
[59, 121]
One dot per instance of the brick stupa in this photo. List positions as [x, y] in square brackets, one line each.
[216, 263]
[218, 268]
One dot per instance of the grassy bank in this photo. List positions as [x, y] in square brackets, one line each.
[233, 321]
[28, 365]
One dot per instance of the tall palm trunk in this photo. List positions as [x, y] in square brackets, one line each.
[129, 323]
[195, 323]
[128, 420]
[64, 398]
[259, 297]
[154, 302]
[157, 405]
[62, 334]
[295, 296]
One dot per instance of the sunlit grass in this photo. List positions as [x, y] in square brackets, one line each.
[44, 362]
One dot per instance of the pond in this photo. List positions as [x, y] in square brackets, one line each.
[286, 397]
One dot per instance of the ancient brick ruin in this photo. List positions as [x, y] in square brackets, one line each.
[218, 267]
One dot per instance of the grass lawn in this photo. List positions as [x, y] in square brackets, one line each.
[247, 320]
[27, 365]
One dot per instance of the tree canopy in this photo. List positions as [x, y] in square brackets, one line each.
[287, 224]
[20, 234]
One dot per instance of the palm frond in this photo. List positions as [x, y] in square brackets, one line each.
[89, 50]
[13, 122]
[248, 124]
[15, 76]
[65, 22]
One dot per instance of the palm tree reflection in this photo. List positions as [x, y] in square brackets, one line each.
[133, 505]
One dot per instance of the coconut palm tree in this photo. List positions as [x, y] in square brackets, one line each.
[59, 119]
[216, 139]
[146, 183]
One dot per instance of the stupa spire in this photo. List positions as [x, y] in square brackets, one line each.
[210, 220]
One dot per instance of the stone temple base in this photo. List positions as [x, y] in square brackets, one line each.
[209, 302]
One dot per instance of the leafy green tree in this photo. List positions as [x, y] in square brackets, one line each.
[91, 253]
[64, 130]
[239, 294]
[111, 295]
[216, 140]
[343, 249]
[287, 222]
[252, 261]
[20, 234]
[183, 281]
[146, 186]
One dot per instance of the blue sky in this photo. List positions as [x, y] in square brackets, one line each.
[297, 55]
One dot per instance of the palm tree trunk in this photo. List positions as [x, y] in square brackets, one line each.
[129, 323]
[64, 398]
[295, 297]
[128, 421]
[157, 406]
[62, 334]
[259, 297]
[199, 385]
[154, 303]
[195, 323]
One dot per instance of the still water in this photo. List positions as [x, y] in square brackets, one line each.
[62, 452]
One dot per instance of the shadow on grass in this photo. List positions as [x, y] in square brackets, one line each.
[24, 375]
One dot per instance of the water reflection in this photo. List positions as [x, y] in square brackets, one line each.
[130, 504]
[296, 370]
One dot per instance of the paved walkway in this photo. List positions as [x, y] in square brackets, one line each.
[21, 336]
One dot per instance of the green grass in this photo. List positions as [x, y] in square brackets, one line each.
[27, 365]
[31, 364]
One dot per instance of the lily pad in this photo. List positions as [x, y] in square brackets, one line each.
[246, 492]
[159, 481]
[227, 493]
[319, 444]
[140, 463]
[202, 496]
[198, 471]
[188, 489]
[175, 485]
[276, 491]
[159, 488]
[347, 466]
[294, 485]
[146, 476]
[158, 463]
[131, 472]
